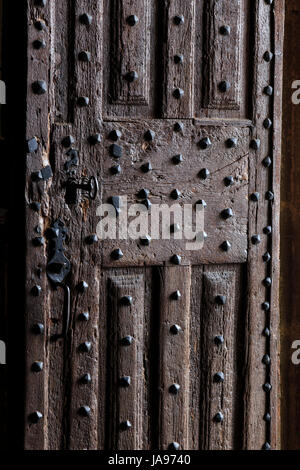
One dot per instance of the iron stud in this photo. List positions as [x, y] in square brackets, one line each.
[266, 332]
[205, 143]
[267, 417]
[176, 259]
[86, 19]
[174, 389]
[178, 127]
[178, 93]
[38, 329]
[39, 44]
[132, 20]
[115, 151]
[85, 347]
[86, 379]
[37, 366]
[174, 446]
[269, 2]
[84, 411]
[40, 3]
[178, 19]
[95, 139]
[125, 425]
[40, 25]
[218, 340]
[147, 203]
[143, 193]
[226, 214]
[175, 194]
[255, 239]
[176, 295]
[218, 418]
[174, 228]
[68, 141]
[126, 300]
[231, 142]
[36, 290]
[32, 145]
[265, 306]
[149, 135]
[83, 101]
[266, 257]
[35, 417]
[115, 135]
[201, 202]
[269, 196]
[84, 316]
[220, 299]
[84, 56]
[266, 445]
[131, 76]
[82, 286]
[267, 230]
[267, 387]
[224, 86]
[228, 180]
[177, 159]
[117, 254]
[39, 87]
[267, 162]
[115, 170]
[225, 246]
[125, 381]
[146, 167]
[267, 282]
[219, 377]
[224, 30]
[127, 341]
[268, 90]
[175, 329]
[267, 123]
[145, 240]
[204, 173]
[266, 360]
[268, 56]
[91, 239]
[178, 59]
[254, 197]
[255, 144]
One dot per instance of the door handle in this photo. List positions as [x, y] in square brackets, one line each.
[91, 187]
[58, 269]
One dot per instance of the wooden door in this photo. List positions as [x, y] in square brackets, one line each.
[165, 348]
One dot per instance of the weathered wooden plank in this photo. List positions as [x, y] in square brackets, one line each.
[277, 45]
[179, 59]
[37, 129]
[126, 307]
[223, 54]
[256, 432]
[174, 358]
[218, 346]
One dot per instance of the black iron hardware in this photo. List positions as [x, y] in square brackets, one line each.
[90, 186]
[58, 269]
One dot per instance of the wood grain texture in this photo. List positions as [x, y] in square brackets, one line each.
[126, 402]
[180, 42]
[174, 357]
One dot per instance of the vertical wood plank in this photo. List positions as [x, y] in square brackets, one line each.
[179, 59]
[126, 346]
[218, 355]
[174, 358]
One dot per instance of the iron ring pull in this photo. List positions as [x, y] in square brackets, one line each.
[91, 187]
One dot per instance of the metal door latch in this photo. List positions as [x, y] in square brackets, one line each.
[89, 186]
[58, 268]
